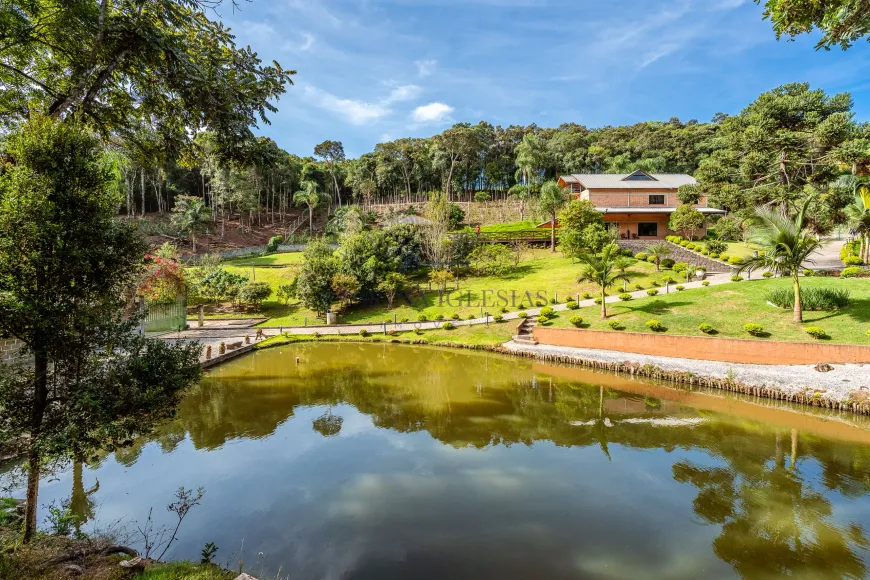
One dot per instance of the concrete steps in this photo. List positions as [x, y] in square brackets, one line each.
[524, 332]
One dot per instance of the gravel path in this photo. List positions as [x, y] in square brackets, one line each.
[836, 385]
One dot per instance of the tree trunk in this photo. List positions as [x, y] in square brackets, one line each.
[798, 307]
[553, 233]
[40, 401]
[310, 221]
[142, 184]
[603, 303]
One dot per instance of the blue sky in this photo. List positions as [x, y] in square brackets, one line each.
[376, 70]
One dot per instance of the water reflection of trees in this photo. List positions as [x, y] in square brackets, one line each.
[773, 522]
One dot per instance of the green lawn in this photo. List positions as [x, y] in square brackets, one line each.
[510, 227]
[739, 249]
[728, 307]
[541, 271]
[288, 259]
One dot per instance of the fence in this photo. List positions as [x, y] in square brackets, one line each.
[165, 317]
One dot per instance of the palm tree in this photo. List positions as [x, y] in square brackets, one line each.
[191, 216]
[659, 252]
[785, 245]
[552, 199]
[858, 213]
[311, 196]
[602, 269]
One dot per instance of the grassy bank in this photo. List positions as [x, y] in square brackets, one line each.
[730, 306]
[541, 272]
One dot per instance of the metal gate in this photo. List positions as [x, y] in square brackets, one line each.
[166, 316]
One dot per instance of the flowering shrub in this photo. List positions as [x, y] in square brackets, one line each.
[164, 280]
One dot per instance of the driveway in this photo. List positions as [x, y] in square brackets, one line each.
[828, 256]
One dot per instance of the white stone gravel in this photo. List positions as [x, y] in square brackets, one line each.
[836, 385]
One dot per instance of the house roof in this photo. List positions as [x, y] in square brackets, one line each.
[636, 180]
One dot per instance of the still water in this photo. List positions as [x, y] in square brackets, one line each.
[385, 461]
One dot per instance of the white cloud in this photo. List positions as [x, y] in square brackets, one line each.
[403, 93]
[308, 41]
[356, 112]
[432, 113]
[426, 68]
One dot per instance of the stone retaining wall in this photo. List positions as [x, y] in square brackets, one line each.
[733, 350]
[10, 349]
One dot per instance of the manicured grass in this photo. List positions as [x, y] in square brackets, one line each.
[739, 249]
[286, 259]
[541, 272]
[510, 227]
[728, 307]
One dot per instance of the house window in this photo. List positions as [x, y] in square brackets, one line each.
[657, 200]
[650, 230]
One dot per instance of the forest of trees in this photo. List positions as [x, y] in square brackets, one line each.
[791, 142]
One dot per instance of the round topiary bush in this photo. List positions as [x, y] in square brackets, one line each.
[498, 318]
[422, 318]
[684, 243]
[522, 314]
[736, 278]
[455, 316]
[852, 272]
[543, 320]
[470, 317]
[363, 332]
[572, 305]
[404, 319]
[641, 256]
[576, 321]
[547, 312]
[724, 257]
[655, 326]
[598, 300]
[768, 274]
[553, 301]
[714, 255]
[680, 267]
[625, 297]
[815, 332]
[680, 287]
[706, 328]
[439, 317]
[586, 296]
[655, 284]
[505, 310]
[668, 280]
[808, 273]
[853, 261]
[448, 326]
[638, 286]
[735, 260]
[753, 329]
[652, 292]
[705, 283]
[614, 325]
[667, 263]
[651, 259]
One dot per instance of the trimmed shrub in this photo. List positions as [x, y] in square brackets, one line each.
[522, 314]
[543, 320]
[498, 318]
[547, 312]
[705, 283]
[471, 317]
[273, 244]
[808, 273]
[815, 332]
[652, 292]
[422, 318]
[439, 317]
[714, 255]
[753, 329]
[641, 256]
[853, 261]
[626, 252]
[667, 263]
[684, 243]
[680, 267]
[586, 296]
[418, 331]
[655, 284]
[598, 300]
[867, 333]
[706, 328]
[811, 298]
[735, 260]
[614, 325]
[655, 325]
[505, 310]
[553, 301]
[455, 316]
[691, 247]
[572, 305]
[668, 280]
[448, 326]
[680, 287]
[851, 272]
[768, 274]
[576, 321]
[651, 259]
[625, 297]
[638, 286]
[724, 257]
[705, 252]
[404, 319]
[736, 278]
[363, 332]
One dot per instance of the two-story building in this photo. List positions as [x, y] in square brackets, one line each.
[639, 205]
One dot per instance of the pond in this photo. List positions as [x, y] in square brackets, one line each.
[384, 461]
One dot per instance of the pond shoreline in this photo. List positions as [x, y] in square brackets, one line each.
[744, 381]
